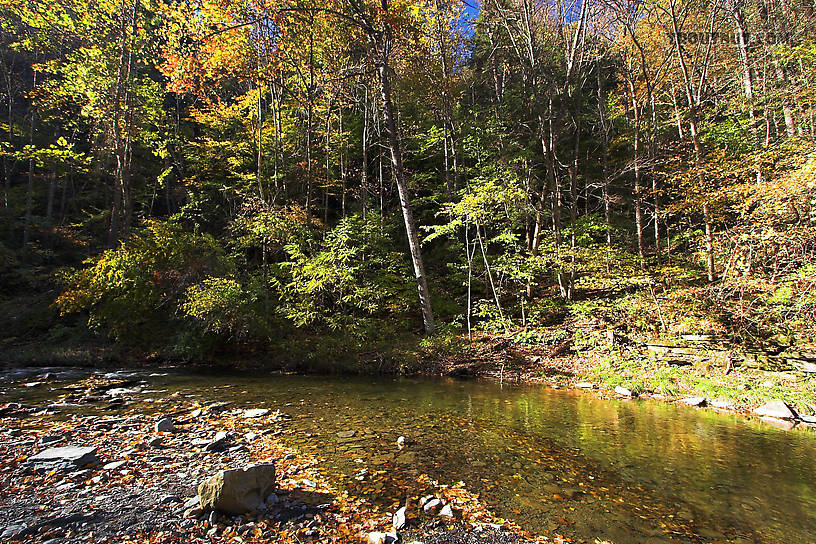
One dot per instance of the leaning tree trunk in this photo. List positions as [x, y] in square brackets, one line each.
[382, 40]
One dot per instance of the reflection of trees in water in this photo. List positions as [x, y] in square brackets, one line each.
[519, 445]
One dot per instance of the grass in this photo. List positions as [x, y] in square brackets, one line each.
[742, 387]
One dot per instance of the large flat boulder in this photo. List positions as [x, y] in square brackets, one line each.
[237, 491]
[777, 409]
[78, 456]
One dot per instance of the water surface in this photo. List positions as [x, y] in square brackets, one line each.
[556, 462]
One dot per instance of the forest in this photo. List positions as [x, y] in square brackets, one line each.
[206, 179]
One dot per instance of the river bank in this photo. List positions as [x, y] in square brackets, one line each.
[582, 357]
[132, 477]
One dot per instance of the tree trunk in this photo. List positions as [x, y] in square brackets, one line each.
[383, 42]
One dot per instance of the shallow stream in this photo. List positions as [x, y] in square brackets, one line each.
[553, 461]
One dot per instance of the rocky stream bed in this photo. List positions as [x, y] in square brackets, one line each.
[137, 477]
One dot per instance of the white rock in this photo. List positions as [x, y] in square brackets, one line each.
[585, 385]
[255, 412]
[623, 391]
[446, 512]
[721, 404]
[694, 401]
[398, 521]
[76, 455]
[432, 505]
[381, 538]
[777, 409]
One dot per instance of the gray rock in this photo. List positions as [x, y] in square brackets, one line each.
[777, 409]
[13, 531]
[255, 412]
[346, 434]
[50, 438]
[155, 442]
[78, 456]
[398, 521]
[168, 499]
[165, 425]
[695, 401]
[446, 512]
[432, 506]
[237, 491]
[219, 443]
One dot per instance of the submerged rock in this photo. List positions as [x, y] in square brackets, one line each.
[78, 456]
[777, 409]
[237, 491]
[165, 425]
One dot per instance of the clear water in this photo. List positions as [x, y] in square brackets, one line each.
[555, 462]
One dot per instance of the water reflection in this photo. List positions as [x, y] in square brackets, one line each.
[555, 461]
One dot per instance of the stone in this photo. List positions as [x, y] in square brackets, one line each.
[168, 499]
[398, 521]
[432, 506]
[446, 512]
[777, 409]
[401, 442]
[219, 443]
[808, 418]
[13, 531]
[78, 456]
[155, 442]
[585, 385]
[114, 465]
[722, 404]
[381, 538]
[255, 412]
[620, 390]
[165, 425]
[193, 513]
[695, 401]
[237, 491]
[346, 434]
[784, 424]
